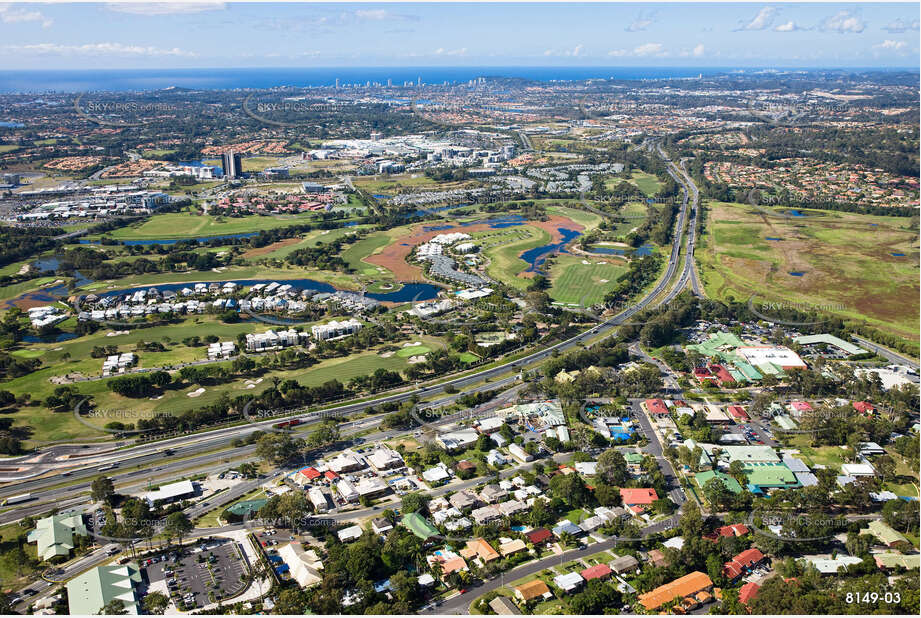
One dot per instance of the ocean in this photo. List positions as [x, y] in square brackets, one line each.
[117, 80]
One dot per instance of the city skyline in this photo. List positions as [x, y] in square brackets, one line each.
[211, 34]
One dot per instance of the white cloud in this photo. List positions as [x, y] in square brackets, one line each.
[164, 8]
[642, 22]
[843, 22]
[891, 45]
[618, 53]
[12, 14]
[377, 15]
[900, 25]
[698, 51]
[789, 26]
[649, 49]
[761, 21]
[96, 49]
[441, 51]
[567, 53]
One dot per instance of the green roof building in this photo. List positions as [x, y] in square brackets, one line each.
[885, 534]
[633, 458]
[763, 476]
[418, 525]
[54, 535]
[717, 343]
[731, 484]
[90, 592]
[892, 560]
[246, 507]
[831, 340]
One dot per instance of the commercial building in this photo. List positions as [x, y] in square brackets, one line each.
[304, 565]
[232, 164]
[171, 493]
[54, 535]
[384, 458]
[89, 592]
[780, 356]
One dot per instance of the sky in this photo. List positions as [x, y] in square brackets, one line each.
[215, 34]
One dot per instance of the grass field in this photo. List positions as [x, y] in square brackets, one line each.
[4, 148]
[505, 265]
[47, 425]
[647, 183]
[158, 152]
[355, 254]
[576, 283]
[413, 350]
[845, 259]
[586, 219]
[188, 225]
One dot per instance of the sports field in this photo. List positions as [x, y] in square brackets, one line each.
[840, 262]
[575, 282]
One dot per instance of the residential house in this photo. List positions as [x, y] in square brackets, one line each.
[532, 590]
[568, 582]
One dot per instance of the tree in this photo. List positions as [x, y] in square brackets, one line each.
[115, 607]
[155, 603]
[277, 448]
[415, 502]
[612, 468]
[17, 558]
[102, 489]
[571, 489]
[178, 525]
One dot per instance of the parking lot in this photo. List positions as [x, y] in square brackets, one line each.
[204, 574]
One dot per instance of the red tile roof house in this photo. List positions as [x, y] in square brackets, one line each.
[748, 592]
[728, 531]
[739, 412]
[801, 406]
[311, 473]
[743, 563]
[331, 475]
[656, 406]
[703, 375]
[721, 374]
[539, 535]
[599, 571]
[864, 407]
[632, 497]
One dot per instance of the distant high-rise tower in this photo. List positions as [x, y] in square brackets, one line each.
[389, 82]
[232, 164]
[337, 82]
[419, 81]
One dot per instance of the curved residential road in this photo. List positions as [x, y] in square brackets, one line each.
[460, 604]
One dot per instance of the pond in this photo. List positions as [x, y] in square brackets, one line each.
[538, 255]
[642, 250]
[50, 338]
